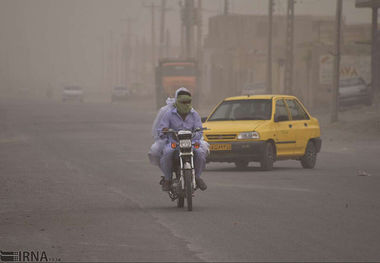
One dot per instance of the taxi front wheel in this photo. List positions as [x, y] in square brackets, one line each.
[310, 158]
[266, 163]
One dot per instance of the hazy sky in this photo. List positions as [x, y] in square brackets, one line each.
[104, 15]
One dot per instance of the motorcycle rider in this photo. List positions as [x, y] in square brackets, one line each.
[182, 116]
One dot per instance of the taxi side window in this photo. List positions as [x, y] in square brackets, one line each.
[296, 110]
[281, 111]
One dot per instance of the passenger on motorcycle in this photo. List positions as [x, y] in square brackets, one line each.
[182, 116]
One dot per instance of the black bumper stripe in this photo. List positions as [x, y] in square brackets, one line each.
[284, 142]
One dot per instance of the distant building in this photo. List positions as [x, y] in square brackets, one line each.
[236, 54]
[359, 34]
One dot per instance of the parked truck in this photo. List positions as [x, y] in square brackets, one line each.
[172, 74]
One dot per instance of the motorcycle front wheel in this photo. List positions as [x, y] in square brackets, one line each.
[188, 189]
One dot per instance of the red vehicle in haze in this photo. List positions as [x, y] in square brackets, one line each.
[172, 74]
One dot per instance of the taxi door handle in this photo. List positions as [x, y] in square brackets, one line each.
[290, 125]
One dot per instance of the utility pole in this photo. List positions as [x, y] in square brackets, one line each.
[226, 7]
[167, 44]
[144, 60]
[334, 100]
[111, 61]
[199, 54]
[126, 54]
[199, 31]
[289, 47]
[162, 29]
[137, 60]
[153, 7]
[153, 37]
[182, 29]
[375, 55]
[189, 28]
[269, 62]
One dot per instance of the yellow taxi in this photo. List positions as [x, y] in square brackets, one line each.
[264, 129]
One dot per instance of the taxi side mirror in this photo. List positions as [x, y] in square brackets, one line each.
[203, 119]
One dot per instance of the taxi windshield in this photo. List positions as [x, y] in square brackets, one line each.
[234, 110]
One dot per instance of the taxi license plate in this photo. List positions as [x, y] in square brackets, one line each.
[220, 147]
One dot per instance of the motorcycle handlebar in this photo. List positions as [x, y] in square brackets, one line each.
[175, 133]
[194, 131]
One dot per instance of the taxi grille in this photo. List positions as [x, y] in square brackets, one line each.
[216, 137]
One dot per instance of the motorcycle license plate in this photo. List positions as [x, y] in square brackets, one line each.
[220, 147]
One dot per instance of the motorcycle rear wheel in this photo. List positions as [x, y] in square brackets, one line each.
[189, 190]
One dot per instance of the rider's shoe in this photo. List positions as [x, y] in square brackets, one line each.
[200, 183]
[166, 185]
[162, 180]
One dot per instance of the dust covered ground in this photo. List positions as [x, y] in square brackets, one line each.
[76, 183]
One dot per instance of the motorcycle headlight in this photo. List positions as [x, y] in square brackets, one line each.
[185, 143]
[248, 135]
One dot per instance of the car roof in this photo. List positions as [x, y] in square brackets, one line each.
[262, 96]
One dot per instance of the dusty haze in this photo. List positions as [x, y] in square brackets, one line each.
[47, 44]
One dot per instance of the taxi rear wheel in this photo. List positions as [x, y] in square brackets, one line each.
[310, 158]
[241, 165]
[267, 161]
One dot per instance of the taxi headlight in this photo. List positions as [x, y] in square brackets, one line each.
[248, 135]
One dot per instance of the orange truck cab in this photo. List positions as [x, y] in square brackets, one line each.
[172, 74]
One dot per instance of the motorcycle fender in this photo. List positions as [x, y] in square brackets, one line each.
[187, 166]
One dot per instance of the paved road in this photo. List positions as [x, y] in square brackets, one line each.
[76, 183]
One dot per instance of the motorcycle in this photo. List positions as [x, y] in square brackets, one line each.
[183, 185]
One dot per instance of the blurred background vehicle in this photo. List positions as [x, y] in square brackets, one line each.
[120, 93]
[174, 73]
[74, 93]
[354, 91]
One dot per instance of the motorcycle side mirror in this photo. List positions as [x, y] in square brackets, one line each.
[200, 129]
